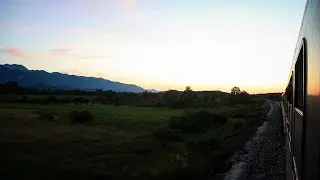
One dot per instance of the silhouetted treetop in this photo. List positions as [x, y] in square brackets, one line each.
[188, 88]
[235, 90]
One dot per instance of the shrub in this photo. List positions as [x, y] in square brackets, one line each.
[209, 117]
[166, 135]
[51, 99]
[79, 100]
[159, 104]
[175, 122]
[81, 117]
[239, 115]
[85, 100]
[238, 125]
[197, 122]
[23, 99]
[46, 116]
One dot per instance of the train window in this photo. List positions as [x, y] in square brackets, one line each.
[299, 80]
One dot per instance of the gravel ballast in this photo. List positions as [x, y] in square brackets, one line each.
[263, 156]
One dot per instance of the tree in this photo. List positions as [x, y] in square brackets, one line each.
[245, 93]
[187, 99]
[235, 91]
[239, 97]
[188, 88]
[170, 97]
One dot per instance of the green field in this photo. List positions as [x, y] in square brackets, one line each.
[119, 144]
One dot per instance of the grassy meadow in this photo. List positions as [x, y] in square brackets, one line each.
[40, 141]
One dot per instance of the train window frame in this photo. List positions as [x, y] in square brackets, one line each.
[289, 89]
[300, 79]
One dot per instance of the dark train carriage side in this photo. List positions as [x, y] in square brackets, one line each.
[301, 100]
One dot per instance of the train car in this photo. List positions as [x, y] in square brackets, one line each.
[301, 100]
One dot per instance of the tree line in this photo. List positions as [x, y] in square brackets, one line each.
[171, 98]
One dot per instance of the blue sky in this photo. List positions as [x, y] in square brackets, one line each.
[207, 44]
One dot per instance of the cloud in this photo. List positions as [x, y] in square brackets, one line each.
[15, 52]
[51, 54]
[68, 52]
[95, 57]
[61, 51]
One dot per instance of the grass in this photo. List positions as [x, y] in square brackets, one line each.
[120, 144]
[107, 115]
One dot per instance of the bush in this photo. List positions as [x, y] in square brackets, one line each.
[166, 135]
[79, 100]
[24, 99]
[51, 99]
[46, 116]
[239, 115]
[197, 122]
[81, 117]
[239, 125]
[175, 122]
[159, 104]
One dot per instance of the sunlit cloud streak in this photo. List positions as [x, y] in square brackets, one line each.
[18, 53]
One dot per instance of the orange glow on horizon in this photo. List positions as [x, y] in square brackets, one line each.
[164, 86]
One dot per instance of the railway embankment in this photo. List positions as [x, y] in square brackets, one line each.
[263, 156]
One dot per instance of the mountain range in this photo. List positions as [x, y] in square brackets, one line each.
[55, 80]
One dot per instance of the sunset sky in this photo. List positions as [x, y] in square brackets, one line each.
[160, 44]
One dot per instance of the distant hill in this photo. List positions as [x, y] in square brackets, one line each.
[45, 80]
